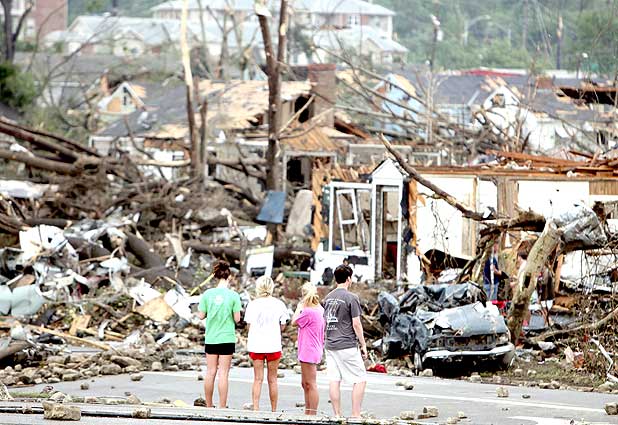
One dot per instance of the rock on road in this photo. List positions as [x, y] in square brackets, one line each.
[383, 399]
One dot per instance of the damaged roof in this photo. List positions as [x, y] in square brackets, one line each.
[236, 105]
[544, 97]
[311, 139]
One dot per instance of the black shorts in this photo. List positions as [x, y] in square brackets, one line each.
[226, 349]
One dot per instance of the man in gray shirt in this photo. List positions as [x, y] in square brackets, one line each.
[344, 334]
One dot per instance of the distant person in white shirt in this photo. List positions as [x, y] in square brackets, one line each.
[266, 317]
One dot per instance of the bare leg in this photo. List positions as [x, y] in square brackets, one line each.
[335, 396]
[273, 388]
[258, 379]
[358, 391]
[310, 387]
[212, 361]
[224, 371]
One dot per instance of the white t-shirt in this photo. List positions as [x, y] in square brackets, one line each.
[265, 315]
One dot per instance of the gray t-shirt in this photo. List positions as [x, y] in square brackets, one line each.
[340, 307]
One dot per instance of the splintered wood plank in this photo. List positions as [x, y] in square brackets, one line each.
[79, 322]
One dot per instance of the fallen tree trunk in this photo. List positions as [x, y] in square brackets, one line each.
[74, 145]
[144, 253]
[40, 163]
[13, 348]
[527, 279]
[233, 253]
[465, 211]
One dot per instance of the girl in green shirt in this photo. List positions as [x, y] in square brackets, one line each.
[220, 306]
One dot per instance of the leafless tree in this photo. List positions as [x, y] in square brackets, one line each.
[11, 32]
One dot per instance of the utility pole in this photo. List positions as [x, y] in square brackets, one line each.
[437, 36]
[524, 30]
[559, 38]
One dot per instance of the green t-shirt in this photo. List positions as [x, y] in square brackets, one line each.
[219, 305]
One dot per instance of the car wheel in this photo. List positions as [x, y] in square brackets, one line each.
[386, 346]
[505, 361]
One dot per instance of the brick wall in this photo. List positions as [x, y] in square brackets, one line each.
[58, 21]
[325, 88]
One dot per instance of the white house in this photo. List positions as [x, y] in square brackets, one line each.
[384, 224]
[310, 14]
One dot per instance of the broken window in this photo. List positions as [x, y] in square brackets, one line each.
[307, 113]
[352, 216]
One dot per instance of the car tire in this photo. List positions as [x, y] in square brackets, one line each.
[504, 361]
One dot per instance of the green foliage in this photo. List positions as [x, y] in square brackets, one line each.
[126, 7]
[597, 37]
[17, 88]
[589, 26]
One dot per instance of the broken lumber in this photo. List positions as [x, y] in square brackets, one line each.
[590, 326]
[233, 253]
[70, 338]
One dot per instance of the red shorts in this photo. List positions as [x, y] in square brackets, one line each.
[269, 357]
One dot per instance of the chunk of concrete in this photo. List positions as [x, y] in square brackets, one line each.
[502, 392]
[407, 415]
[61, 412]
[141, 413]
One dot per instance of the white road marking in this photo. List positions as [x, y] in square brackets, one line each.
[550, 421]
[496, 401]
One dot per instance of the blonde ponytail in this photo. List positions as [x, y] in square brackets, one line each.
[264, 287]
[311, 298]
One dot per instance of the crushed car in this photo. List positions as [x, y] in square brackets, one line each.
[444, 323]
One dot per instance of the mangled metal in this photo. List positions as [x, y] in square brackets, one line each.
[443, 322]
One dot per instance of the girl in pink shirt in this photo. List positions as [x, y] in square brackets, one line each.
[309, 317]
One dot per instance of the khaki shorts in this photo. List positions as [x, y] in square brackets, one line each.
[345, 365]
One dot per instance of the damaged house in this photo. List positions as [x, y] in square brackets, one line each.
[540, 110]
[236, 119]
[388, 226]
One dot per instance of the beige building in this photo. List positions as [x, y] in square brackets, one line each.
[45, 16]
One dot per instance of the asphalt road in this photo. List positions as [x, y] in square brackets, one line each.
[383, 398]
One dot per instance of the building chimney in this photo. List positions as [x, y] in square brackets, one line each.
[544, 82]
[324, 87]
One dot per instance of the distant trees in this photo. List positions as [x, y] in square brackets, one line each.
[519, 33]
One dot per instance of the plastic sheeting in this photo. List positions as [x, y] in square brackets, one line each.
[580, 224]
[22, 301]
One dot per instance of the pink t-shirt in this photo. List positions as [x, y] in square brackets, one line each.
[311, 334]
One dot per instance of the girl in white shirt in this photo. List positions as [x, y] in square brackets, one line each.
[266, 317]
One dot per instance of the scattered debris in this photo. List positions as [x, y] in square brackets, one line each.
[502, 392]
[141, 413]
[4, 393]
[611, 408]
[429, 412]
[407, 415]
[61, 412]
